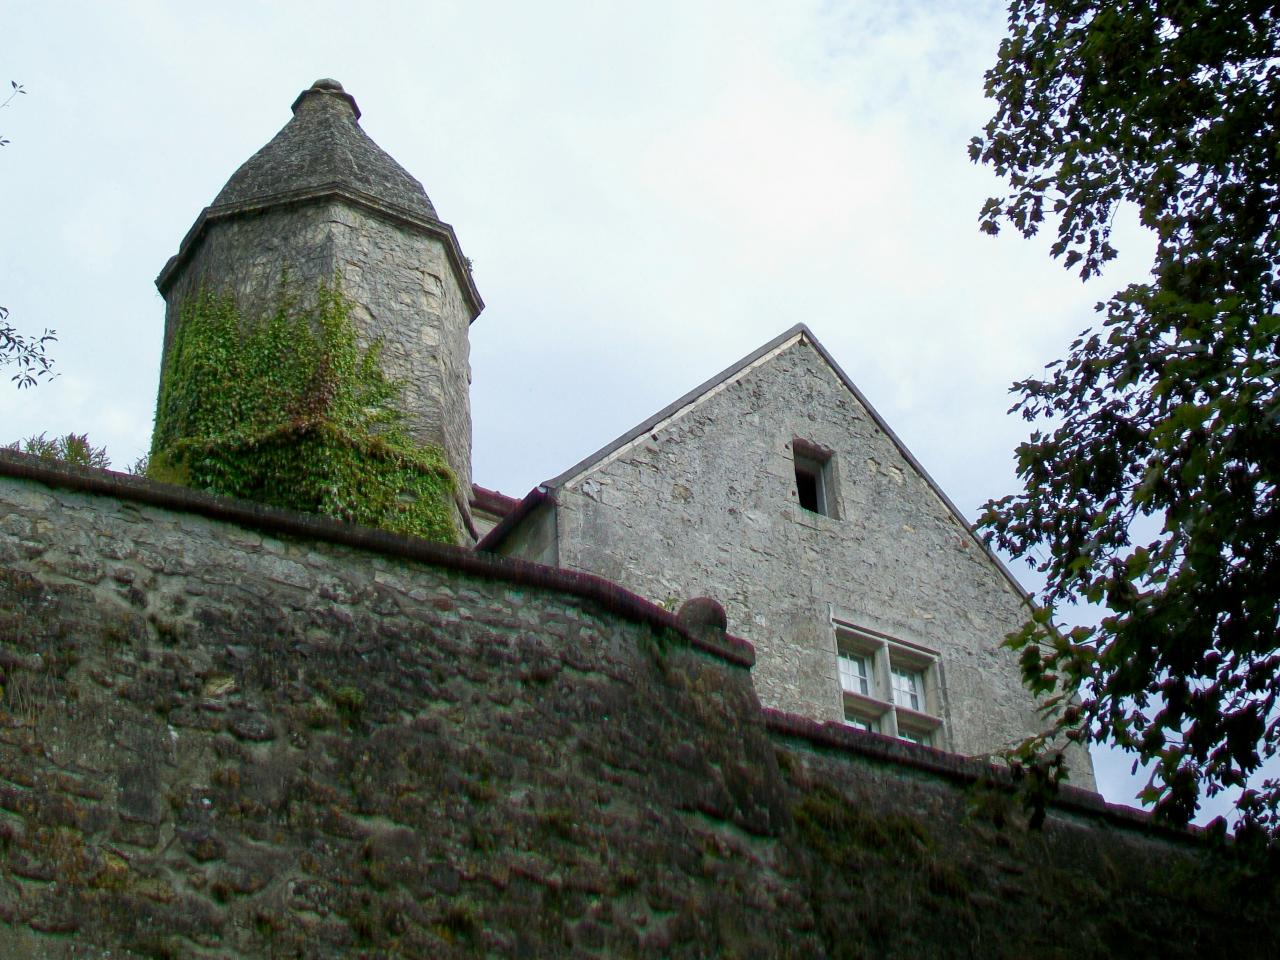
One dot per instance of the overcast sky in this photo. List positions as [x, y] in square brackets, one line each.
[647, 191]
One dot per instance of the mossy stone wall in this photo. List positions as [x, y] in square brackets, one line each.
[218, 740]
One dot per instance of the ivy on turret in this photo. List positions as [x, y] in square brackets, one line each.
[289, 410]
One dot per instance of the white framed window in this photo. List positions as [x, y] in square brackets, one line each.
[908, 688]
[888, 685]
[854, 719]
[922, 737]
[855, 672]
[856, 662]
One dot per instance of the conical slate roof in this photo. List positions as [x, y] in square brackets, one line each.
[323, 146]
[323, 154]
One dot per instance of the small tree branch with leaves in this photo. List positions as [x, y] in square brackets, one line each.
[27, 354]
[15, 89]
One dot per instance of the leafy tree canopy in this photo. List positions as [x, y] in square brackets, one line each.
[1150, 479]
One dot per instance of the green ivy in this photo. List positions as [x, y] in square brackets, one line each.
[288, 409]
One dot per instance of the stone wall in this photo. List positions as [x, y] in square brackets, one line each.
[406, 295]
[929, 857]
[230, 731]
[706, 504]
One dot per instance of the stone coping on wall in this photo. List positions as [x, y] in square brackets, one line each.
[844, 738]
[608, 595]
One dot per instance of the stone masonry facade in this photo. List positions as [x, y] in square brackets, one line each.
[233, 731]
[706, 504]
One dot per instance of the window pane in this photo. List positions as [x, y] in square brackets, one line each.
[862, 723]
[854, 674]
[907, 689]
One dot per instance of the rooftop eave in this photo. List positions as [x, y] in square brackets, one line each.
[536, 497]
[332, 191]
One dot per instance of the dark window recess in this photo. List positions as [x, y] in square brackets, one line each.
[811, 485]
[807, 484]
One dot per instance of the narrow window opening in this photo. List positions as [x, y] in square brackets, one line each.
[922, 737]
[813, 478]
[809, 486]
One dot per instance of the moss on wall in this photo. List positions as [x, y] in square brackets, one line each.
[288, 410]
[216, 742]
[902, 865]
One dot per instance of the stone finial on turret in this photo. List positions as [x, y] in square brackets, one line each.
[330, 87]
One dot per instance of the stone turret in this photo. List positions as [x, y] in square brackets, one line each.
[322, 200]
